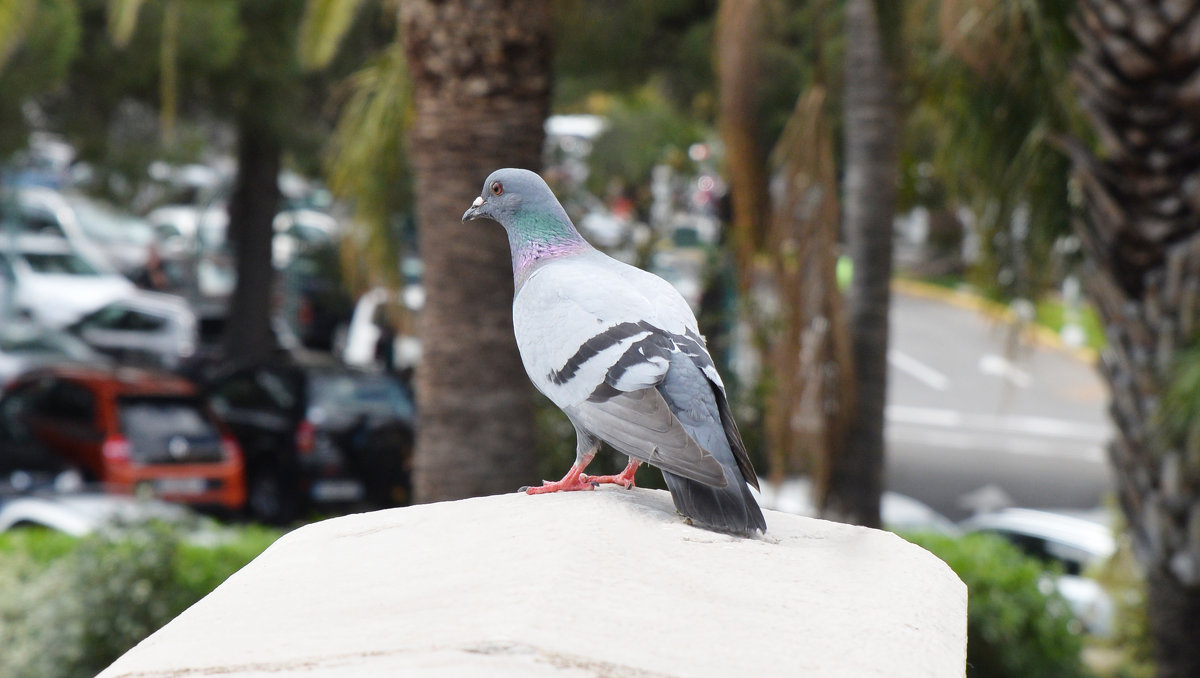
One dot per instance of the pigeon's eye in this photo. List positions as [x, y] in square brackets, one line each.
[497, 188]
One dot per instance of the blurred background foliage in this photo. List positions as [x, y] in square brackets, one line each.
[1017, 625]
[69, 607]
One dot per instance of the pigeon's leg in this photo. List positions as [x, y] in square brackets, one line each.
[624, 478]
[585, 450]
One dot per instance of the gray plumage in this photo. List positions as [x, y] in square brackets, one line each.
[618, 350]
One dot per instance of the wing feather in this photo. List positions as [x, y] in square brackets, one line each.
[640, 424]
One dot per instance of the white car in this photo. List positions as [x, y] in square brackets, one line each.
[146, 328]
[25, 345]
[44, 279]
[1075, 542]
[358, 348]
[296, 230]
[123, 238]
[44, 211]
[899, 512]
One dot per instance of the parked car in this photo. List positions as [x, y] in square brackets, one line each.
[900, 513]
[136, 431]
[371, 337]
[299, 230]
[44, 279]
[125, 239]
[25, 345]
[146, 329]
[79, 513]
[44, 211]
[317, 434]
[1073, 542]
[312, 298]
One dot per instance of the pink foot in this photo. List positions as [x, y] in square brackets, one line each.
[624, 478]
[574, 481]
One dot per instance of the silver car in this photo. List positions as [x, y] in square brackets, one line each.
[147, 329]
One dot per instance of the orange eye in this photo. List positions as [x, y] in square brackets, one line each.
[497, 188]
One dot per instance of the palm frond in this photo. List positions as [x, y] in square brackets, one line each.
[366, 158]
[122, 20]
[324, 25]
[15, 16]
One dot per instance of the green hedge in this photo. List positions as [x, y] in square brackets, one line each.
[1014, 629]
[69, 607]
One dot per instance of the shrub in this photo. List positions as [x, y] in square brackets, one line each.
[1014, 628]
[73, 614]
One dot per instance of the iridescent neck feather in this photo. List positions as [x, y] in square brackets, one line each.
[536, 239]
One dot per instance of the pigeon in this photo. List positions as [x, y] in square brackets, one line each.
[617, 349]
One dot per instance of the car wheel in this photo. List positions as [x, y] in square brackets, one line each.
[270, 500]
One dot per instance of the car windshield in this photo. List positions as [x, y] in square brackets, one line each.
[106, 225]
[61, 263]
[347, 394]
[150, 423]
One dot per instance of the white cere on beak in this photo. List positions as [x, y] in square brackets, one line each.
[478, 202]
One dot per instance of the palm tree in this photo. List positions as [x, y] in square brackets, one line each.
[264, 87]
[481, 88]
[1137, 78]
[868, 204]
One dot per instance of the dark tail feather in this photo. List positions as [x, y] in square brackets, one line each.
[731, 508]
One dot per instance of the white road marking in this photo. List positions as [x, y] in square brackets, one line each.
[1017, 434]
[1002, 367]
[918, 370]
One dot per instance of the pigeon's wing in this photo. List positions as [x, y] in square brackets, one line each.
[641, 425]
[576, 319]
[598, 344]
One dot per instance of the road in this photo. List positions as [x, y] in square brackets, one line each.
[975, 418]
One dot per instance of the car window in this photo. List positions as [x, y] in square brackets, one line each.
[139, 321]
[121, 318]
[242, 392]
[277, 390]
[153, 424]
[13, 410]
[50, 263]
[107, 225]
[352, 394]
[39, 221]
[68, 402]
[106, 318]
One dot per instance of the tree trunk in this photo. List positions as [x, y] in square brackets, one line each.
[738, 33]
[481, 78]
[1137, 78]
[252, 209]
[810, 360]
[856, 475]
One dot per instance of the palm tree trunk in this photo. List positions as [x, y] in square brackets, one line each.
[1137, 78]
[856, 475]
[481, 82]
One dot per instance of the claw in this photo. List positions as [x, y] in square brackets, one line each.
[624, 478]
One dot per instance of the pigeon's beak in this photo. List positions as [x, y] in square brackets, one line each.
[473, 211]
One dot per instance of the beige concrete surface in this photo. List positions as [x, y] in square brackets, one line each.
[604, 583]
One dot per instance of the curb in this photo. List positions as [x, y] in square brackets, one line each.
[1038, 334]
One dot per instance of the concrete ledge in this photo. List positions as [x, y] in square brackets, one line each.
[605, 583]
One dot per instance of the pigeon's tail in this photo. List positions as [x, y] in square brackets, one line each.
[731, 508]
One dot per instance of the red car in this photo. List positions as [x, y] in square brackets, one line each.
[132, 430]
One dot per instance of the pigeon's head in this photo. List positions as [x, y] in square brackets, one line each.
[508, 193]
